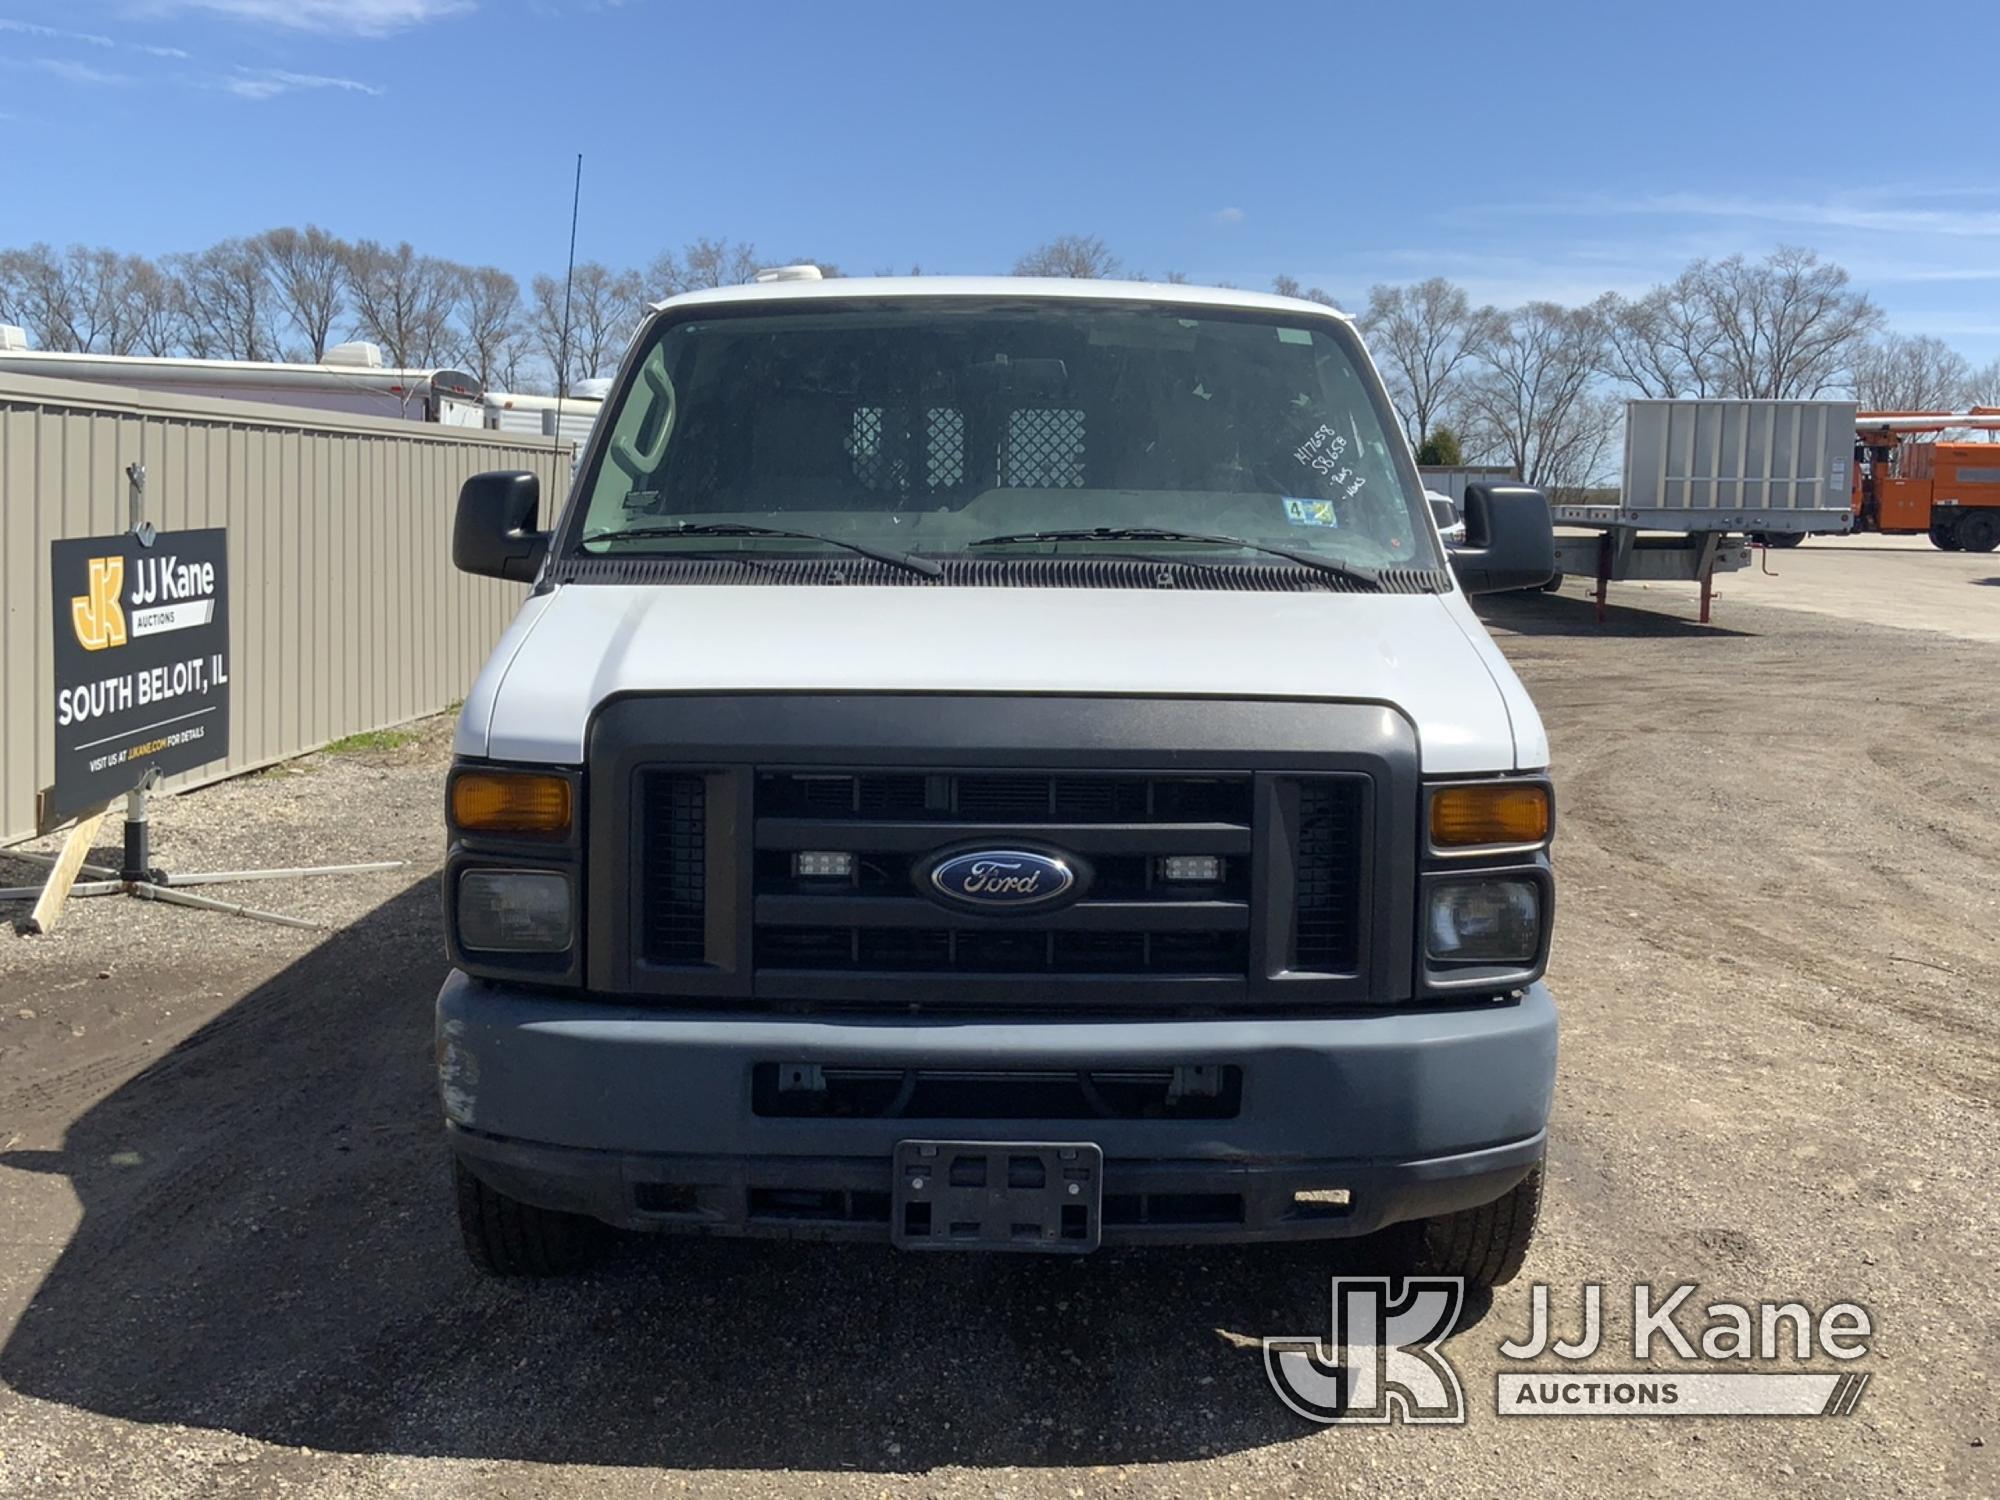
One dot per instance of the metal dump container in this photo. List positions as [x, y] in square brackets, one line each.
[1733, 466]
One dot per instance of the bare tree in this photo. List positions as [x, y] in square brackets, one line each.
[1288, 286]
[1665, 343]
[403, 301]
[158, 310]
[1983, 387]
[1532, 401]
[1078, 256]
[1787, 328]
[603, 306]
[1912, 374]
[227, 307]
[490, 335]
[36, 293]
[308, 269]
[1425, 335]
[113, 291]
[75, 301]
[703, 264]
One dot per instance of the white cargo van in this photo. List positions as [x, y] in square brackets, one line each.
[998, 764]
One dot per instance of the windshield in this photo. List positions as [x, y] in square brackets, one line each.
[947, 427]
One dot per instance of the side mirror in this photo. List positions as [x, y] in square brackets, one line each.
[493, 534]
[1510, 540]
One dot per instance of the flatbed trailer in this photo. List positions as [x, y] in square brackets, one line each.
[1701, 480]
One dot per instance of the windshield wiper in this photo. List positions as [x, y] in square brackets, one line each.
[1363, 576]
[909, 561]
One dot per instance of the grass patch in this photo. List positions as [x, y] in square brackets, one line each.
[373, 739]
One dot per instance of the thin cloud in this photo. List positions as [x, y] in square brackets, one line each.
[1831, 213]
[1227, 217]
[55, 34]
[269, 83]
[75, 72]
[365, 18]
[85, 38]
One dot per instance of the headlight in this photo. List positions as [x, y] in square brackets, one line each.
[1484, 922]
[514, 911]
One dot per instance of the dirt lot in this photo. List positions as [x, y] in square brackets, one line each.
[229, 1266]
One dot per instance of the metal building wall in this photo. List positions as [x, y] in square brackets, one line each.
[345, 613]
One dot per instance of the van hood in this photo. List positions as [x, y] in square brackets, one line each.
[580, 644]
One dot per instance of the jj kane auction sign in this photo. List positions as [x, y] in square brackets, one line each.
[141, 661]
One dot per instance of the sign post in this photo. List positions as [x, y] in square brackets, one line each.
[141, 665]
[142, 690]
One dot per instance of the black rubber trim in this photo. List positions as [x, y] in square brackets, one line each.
[1070, 571]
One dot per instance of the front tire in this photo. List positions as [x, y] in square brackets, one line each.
[1944, 538]
[506, 1237]
[1485, 1245]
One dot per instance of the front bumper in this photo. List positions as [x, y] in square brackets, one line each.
[643, 1116]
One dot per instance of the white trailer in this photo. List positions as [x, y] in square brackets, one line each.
[352, 378]
[1702, 480]
[507, 411]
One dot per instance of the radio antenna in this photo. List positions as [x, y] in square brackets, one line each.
[569, 284]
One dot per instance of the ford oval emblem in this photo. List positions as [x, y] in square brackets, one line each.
[1003, 878]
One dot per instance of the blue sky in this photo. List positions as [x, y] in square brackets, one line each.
[1538, 148]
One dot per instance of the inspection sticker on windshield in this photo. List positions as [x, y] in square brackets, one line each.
[1309, 512]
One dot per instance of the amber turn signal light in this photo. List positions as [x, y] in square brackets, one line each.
[1465, 817]
[510, 802]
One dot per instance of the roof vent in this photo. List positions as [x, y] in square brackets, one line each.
[13, 340]
[355, 356]
[802, 272]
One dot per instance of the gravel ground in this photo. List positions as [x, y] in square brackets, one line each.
[230, 1267]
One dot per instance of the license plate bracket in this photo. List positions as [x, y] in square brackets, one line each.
[1042, 1196]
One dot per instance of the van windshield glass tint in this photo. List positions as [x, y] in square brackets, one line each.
[930, 426]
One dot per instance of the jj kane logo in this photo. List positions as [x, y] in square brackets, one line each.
[167, 594]
[1383, 1363]
[96, 616]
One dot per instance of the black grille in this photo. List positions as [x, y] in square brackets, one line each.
[1281, 888]
[1326, 903]
[943, 950]
[1003, 798]
[1115, 827]
[676, 890]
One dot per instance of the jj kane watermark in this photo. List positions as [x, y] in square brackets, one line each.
[1384, 1360]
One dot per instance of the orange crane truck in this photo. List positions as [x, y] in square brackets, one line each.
[1949, 491]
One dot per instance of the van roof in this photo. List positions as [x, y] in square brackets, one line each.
[1020, 288]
